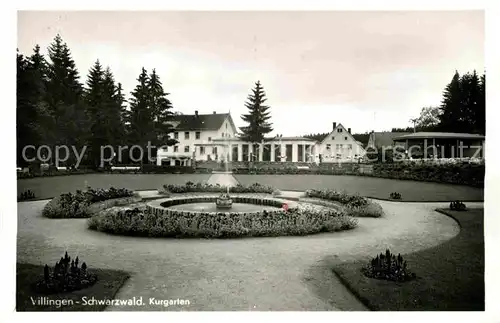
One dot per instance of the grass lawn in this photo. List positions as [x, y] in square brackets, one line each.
[451, 275]
[48, 187]
[374, 187]
[106, 287]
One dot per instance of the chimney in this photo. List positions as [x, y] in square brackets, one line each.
[334, 125]
[349, 130]
[196, 112]
[215, 112]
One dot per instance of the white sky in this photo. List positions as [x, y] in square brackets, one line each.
[366, 70]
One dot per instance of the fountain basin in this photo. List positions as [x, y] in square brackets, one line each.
[206, 204]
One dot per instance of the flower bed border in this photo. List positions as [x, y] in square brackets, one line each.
[96, 207]
[160, 206]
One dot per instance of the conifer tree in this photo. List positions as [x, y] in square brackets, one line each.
[257, 119]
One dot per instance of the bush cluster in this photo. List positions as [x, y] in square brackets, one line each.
[76, 205]
[388, 267]
[395, 196]
[26, 195]
[204, 187]
[457, 206]
[66, 276]
[353, 205]
[144, 222]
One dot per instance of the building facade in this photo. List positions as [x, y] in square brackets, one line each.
[213, 137]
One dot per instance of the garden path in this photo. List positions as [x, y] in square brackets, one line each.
[285, 273]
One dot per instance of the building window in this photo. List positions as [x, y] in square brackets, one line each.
[186, 135]
[186, 149]
[176, 135]
[349, 146]
[333, 137]
[176, 149]
[209, 138]
[202, 150]
[197, 135]
[328, 146]
[222, 135]
[338, 146]
[214, 150]
[339, 130]
[226, 125]
[345, 138]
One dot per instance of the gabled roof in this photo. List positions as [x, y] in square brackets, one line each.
[201, 121]
[335, 131]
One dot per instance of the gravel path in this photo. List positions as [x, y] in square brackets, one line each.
[285, 273]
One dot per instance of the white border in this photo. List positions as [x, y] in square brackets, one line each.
[8, 224]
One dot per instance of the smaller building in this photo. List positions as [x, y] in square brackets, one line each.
[442, 145]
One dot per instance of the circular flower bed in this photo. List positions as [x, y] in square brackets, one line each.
[156, 219]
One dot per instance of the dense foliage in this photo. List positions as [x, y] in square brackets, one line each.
[204, 187]
[26, 195]
[66, 276]
[141, 222]
[55, 108]
[76, 205]
[395, 196]
[388, 267]
[457, 206]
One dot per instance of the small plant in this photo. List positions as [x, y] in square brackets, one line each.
[27, 195]
[66, 276]
[388, 266]
[457, 206]
[276, 192]
[395, 196]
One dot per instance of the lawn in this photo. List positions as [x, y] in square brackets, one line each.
[450, 276]
[47, 187]
[374, 187]
[106, 287]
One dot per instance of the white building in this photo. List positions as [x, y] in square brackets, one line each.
[205, 137]
[340, 146]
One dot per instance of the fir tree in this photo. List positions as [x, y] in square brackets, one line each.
[450, 117]
[257, 117]
[161, 111]
[64, 98]
[139, 117]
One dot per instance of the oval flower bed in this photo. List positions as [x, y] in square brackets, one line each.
[84, 204]
[155, 220]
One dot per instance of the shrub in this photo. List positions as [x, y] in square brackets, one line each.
[66, 276]
[457, 206]
[26, 195]
[370, 210]
[395, 196]
[77, 205]
[173, 223]
[388, 267]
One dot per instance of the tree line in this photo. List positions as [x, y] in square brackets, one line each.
[54, 108]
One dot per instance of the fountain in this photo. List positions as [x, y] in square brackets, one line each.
[224, 178]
